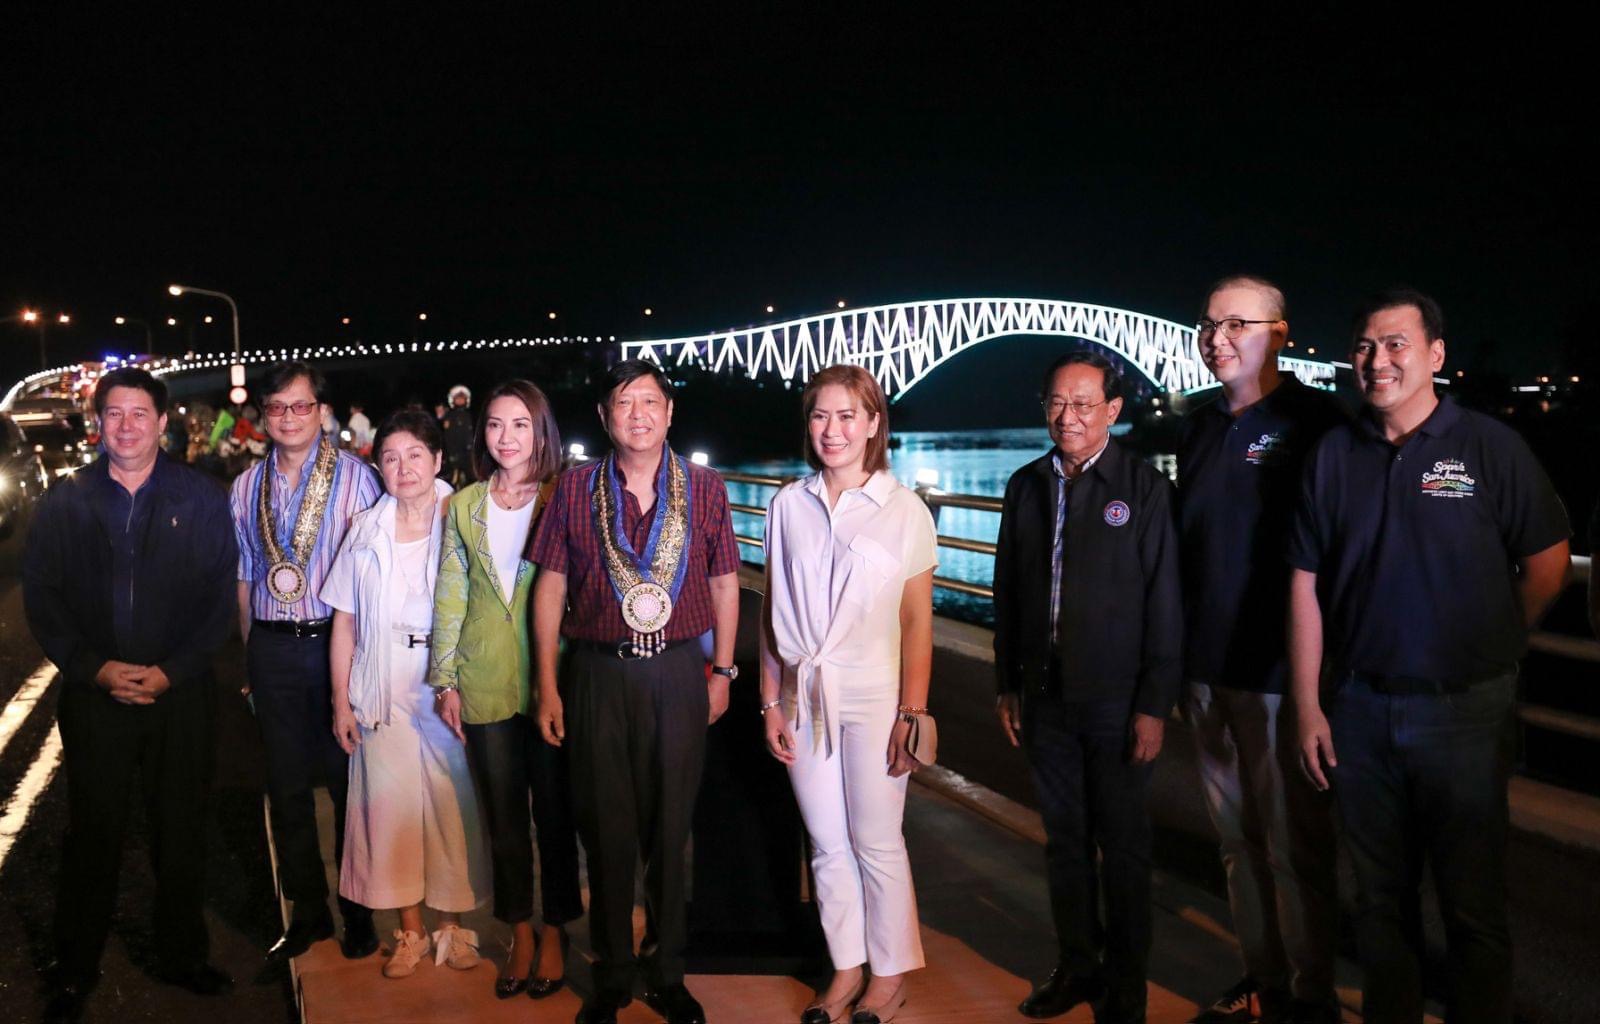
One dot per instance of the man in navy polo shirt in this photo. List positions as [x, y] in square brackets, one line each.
[1426, 544]
[1239, 463]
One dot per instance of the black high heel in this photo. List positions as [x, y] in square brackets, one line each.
[539, 988]
[505, 988]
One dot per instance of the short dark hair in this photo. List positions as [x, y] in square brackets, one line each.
[865, 387]
[413, 420]
[546, 462]
[281, 375]
[1273, 293]
[130, 377]
[630, 370]
[1389, 298]
[1111, 377]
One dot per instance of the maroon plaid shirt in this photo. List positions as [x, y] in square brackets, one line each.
[565, 541]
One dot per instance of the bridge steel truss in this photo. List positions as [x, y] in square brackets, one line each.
[901, 344]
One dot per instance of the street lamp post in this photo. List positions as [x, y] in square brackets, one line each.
[179, 289]
[33, 316]
[149, 338]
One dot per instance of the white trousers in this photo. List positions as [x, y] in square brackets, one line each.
[413, 832]
[853, 811]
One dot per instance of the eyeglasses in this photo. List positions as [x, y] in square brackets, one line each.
[1232, 327]
[276, 409]
[1056, 406]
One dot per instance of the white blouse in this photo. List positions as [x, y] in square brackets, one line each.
[508, 539]
[835, 578]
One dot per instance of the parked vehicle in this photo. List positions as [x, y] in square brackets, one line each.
[22, 475]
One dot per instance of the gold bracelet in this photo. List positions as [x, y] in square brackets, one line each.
[906, 709]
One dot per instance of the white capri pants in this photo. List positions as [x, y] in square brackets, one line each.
[853, 812]
[413, 832]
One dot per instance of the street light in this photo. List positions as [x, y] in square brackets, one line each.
[33, 316]
[149, 339]
[179, 289]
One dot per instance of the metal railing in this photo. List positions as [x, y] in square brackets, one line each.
[934, 498]
[1560, 645]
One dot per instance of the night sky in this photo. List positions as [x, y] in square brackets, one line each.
[488, 173]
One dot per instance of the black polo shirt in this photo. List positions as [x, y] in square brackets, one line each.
[1238, 479]
[1415, 547]
[1120, 632]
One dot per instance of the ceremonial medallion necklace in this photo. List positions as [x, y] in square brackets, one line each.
[286, 575]
[646, 583]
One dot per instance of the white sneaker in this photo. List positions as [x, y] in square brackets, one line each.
[456, 947]
[409, 949]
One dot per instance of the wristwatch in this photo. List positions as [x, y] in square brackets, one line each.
[732, 671]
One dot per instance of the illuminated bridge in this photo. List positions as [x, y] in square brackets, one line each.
[899, 344]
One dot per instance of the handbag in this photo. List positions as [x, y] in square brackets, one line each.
[923, 741]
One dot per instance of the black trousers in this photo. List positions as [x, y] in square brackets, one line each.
[1423, 779]
[511, 763]
[292, 694]
[1092, 799]
[170, 747]
[637, 734]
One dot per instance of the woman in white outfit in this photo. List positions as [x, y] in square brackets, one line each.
[845, 657]
[413, 834]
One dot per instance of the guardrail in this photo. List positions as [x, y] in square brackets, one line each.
[1558, 645]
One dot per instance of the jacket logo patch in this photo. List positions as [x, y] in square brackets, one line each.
[1267, 450]
[1449, 479]
[1117, 514]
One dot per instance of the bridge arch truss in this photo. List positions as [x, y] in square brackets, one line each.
[901, 344]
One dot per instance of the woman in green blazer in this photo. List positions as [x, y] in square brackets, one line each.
[479, 671]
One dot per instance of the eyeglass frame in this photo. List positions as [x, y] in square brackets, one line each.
[288, 407]
[1201, 330]
[1079, 409]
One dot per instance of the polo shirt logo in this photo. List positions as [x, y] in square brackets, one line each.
[1267, 450]
[1449, 479]
[1117, 514]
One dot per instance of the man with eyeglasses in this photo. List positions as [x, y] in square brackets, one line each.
[1239, 462]
[1426, 543]
[290, 512]
[1088, 635]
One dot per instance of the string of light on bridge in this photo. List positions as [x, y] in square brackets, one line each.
[358, 350]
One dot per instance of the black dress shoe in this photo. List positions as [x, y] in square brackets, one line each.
[360, 938]
[1061, 992]
[603, 1008]
[675, 1004]
[505, 988]
[201, 979]
[66, 997]
[299, 937]
[540, 987]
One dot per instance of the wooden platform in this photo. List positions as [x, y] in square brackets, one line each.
[986, 933]
[959, 988]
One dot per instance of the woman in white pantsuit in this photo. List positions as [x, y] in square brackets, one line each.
[846, 649]
[413, 834]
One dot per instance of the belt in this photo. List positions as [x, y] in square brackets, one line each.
[291, 627]
[1414, 686]
[410, 640]
[623, 648]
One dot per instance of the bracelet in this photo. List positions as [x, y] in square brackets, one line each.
[440, 691]
[906, 709]
[770, 705]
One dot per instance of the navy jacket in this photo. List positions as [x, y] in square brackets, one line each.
[1120, 633]
[183, 563]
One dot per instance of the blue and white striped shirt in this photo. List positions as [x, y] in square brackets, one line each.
[1059, 536]
[355, 489]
